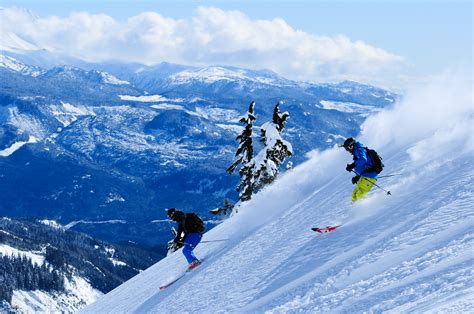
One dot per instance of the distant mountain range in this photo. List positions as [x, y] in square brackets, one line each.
[107, 147]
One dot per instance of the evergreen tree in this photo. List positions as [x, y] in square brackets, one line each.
[228, 206]
[244, 156]
[55, 257]
[224, 210]
[268, 161]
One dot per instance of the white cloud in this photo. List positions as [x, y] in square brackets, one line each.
[211, 36]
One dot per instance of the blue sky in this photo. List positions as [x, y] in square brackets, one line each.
[428, 35]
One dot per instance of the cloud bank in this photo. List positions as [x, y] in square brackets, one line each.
[212, 36]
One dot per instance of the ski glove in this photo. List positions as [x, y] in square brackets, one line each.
[172, 246]
[355, 179]
[350, 167]
[178, 240]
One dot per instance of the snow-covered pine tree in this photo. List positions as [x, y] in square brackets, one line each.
[228, 206]
[244, 155]
[275, 151]
[224, 210]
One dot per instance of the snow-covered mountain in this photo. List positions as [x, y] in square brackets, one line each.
[406, 252]
[73, 73]
[215, 73]
[14, 65]
[60, 72]
[118, 142]
[47, 268]
[14, 43]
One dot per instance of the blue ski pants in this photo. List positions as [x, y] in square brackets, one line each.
[191, 241]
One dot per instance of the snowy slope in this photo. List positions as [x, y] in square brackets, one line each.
[411, 251]
[16, 146]
[78, 293]
[215, 73]
[12, 42]
[14, 65]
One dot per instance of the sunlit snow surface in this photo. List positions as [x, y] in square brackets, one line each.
[78, 293]
[215, 73]
[6, 250]
[17, 66]
[348, 107]
[408, 252]
[16, 146]
[110, 79]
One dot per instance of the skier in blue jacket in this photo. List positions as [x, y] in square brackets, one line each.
[363, 166]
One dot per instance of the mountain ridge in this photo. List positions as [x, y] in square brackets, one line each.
[109, 139]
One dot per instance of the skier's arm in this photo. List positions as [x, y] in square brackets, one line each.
[179, 234]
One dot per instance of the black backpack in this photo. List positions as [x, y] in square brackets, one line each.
[193, 224]
[377, 164]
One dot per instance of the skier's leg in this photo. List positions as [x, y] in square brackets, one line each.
[355, 194]
[189, 254]
[192, 240]
[362, 188]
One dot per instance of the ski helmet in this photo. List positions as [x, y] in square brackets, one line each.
[349, 144]
[175, 214]
[171, 212]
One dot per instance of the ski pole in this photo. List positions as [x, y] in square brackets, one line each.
[390, 175]
[209, 241]
[388, 192]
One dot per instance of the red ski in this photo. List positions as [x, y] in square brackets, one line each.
[172, 282]
[179, 277]
[325, 229]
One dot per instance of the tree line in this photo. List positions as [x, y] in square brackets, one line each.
[20, 273]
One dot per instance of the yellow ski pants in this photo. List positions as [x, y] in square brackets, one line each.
[362, 188]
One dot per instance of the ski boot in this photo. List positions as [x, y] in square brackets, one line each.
[194, 264]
